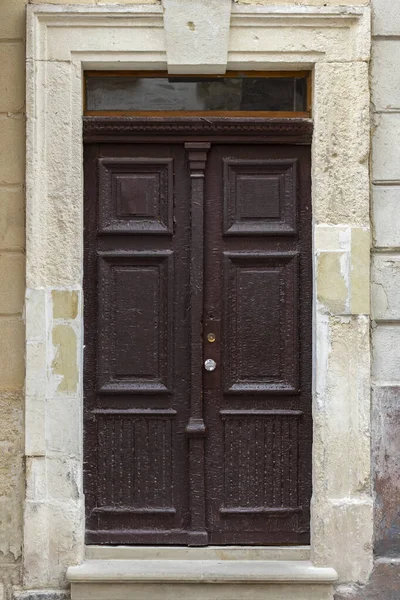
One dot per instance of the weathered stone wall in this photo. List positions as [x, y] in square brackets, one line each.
[308, 2]
[12, 284]
[12, 133]
[384, 582]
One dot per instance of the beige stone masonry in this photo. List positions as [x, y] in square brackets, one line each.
[306, 2]
[197, 39]
[12, 285]
[334, 42]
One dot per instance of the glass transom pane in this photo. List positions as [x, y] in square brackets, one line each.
[238, 93]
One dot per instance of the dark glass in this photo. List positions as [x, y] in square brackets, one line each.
[241, 93]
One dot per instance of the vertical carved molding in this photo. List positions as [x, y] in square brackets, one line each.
[198, 536]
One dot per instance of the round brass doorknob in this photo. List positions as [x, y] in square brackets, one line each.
[210, 364]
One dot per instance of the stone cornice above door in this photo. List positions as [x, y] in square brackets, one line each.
[182, 43]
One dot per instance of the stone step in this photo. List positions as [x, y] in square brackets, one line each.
[200, 580]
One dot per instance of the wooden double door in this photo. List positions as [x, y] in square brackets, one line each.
[198, 337]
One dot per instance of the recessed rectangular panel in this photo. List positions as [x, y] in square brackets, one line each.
[136, 322]
[260, 323]
[136, 195]
[134, 463]
[260, 462]
[260, 197]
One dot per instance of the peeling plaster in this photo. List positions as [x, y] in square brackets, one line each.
[65, 360]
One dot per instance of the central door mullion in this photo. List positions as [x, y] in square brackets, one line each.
[196, 430]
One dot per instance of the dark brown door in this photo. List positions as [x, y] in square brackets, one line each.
[197, 249]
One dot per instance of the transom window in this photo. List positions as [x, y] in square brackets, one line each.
[247, 93]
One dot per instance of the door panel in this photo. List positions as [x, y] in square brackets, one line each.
[197, 250]
[136, 322]
[259, 196]
[260, 343]
[136, 339]
[258, 290]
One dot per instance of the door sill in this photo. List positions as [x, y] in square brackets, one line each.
[200, 571]
[212, 573]
[218, 553]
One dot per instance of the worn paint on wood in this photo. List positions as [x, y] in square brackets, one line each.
[197, 238]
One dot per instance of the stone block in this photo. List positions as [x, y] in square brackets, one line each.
[35, 400]
[36, 478]
[35, 424]
[385, 148]
[309, 2]
[348, 524]
[12, 150]
[386, 17]
[67, 546]
[128, 2]
[36, 375]
[386, 468]
[12, 342]
[12, 77]
[148, 39]
[385, 213]
[342, 413]
[11, 474]
[64, 481]
[36, 545]
[386, 354]
[42, 595]
[332, 44]
[35, 314]
[12, 282]
[64, 426]
[228, 591]
[12, 22]
[197, 35]
[12, 219]
[121, 2]
[385, 83]
[341, 144]
[385, 287]
[360, 271]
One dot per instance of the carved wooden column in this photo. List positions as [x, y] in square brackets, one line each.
[196, 431]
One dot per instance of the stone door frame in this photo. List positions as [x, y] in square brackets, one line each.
[62, 42]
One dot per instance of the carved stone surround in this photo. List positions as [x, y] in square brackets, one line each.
[63, 41]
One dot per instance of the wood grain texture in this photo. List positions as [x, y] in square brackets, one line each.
[209, 233]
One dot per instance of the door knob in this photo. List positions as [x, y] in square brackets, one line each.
[210, 364]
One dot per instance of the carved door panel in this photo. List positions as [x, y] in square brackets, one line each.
[137, 364]
[197, 250]
[258, 303]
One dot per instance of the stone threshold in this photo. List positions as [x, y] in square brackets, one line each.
[204, 565]
[198, 553]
